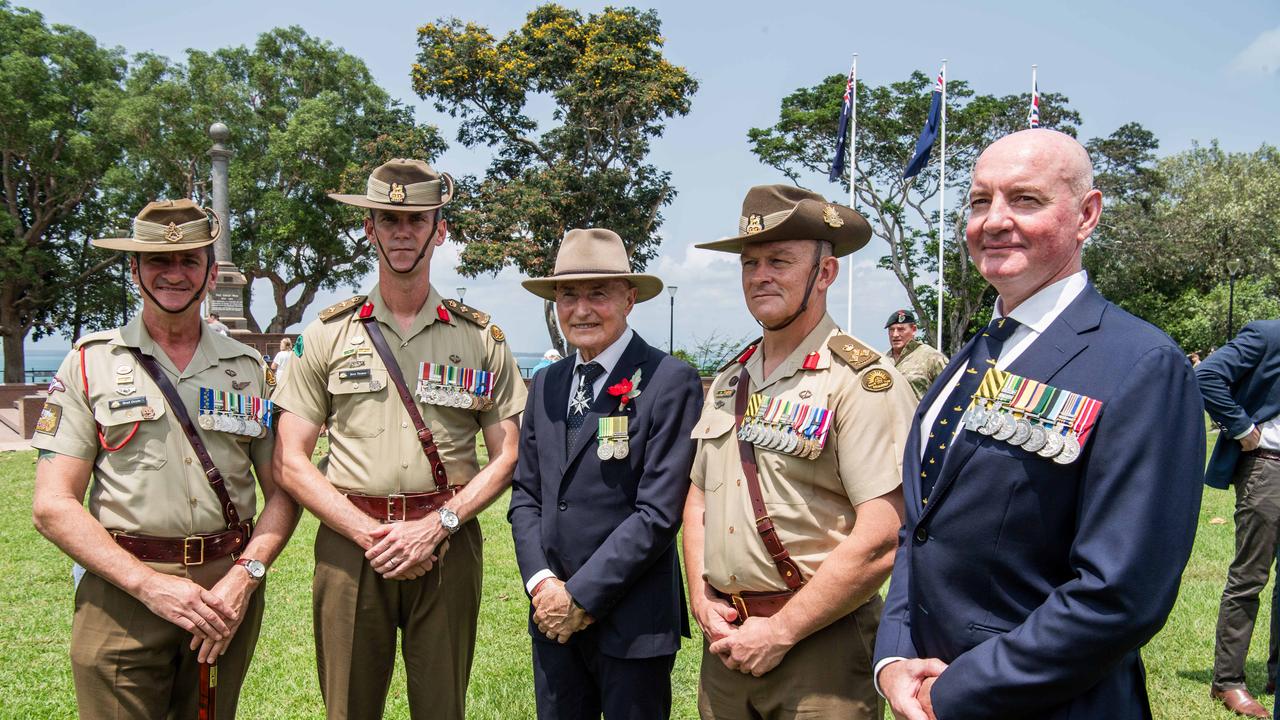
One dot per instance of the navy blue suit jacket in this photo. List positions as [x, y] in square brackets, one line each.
[1241, 387]
[1038, 582]
[608, 528]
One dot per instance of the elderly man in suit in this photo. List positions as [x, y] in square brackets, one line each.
[598, 492]
[1052, 475]
[1241, 386]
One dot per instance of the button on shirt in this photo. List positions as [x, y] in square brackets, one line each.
[607, 359]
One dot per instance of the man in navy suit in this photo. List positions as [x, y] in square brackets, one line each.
[597, 496]
[1027, 579]
[1241, 386]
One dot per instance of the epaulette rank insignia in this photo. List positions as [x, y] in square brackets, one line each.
[853, 352]
[470, 313]
[742, 357]
[341, 308]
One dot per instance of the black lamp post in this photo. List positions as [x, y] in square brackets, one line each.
[1233, 269]
[671, 329]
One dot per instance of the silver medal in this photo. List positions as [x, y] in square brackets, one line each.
[621, 450]
[1020, 433]
[1008, 426]
[1070, 450]
[1052, 443]
[1036, 441]
[206, 422]
[992, 422]
[605, 450]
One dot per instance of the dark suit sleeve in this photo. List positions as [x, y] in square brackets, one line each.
[1139, 500]
[893, 638]
[525, 512]
[1221, 370]
[674, 407]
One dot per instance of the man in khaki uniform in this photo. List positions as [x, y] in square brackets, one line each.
[918, 363]
[391, 495]
[786, 588]
[173, 575]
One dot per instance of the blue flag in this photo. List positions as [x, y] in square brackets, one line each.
[928, 135]
[842, 135]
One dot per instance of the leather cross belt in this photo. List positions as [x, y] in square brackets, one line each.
[757, 604]
[402, 506]
[191, 550]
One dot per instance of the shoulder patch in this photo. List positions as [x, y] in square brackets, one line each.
[853, 352]
[742, 356]
[877, 380]
[469, 313]
[341, 308]
[50, 419]
[498, 335]
[101, 336]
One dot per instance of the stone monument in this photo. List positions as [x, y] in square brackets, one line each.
[227, 300]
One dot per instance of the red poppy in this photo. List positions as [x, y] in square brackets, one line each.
[621, 390]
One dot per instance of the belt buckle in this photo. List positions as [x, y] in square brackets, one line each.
[391, 504]
[187, 544]
[741, 606]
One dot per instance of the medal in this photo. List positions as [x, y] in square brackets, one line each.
[1037, 439]
[1008, 426]
[621, 451]
[1052, 443]
[1021, 431]
[605, 450]
[1070, 450]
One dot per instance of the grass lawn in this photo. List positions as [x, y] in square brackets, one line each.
[36, 605]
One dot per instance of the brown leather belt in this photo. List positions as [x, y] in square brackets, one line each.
[757, 604]
[402, 506]
[192, 550]
[1265, 454]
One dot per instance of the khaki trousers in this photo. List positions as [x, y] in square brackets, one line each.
[358, 615]
[128, 663]
[826, 675]
[1257, 484]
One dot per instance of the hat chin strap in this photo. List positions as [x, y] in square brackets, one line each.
[804, 301]
[195, 295]
[421, 253]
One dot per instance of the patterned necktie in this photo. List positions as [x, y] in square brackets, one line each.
[985, 353]
[582, 397]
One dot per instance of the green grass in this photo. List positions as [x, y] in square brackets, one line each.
[36, 606]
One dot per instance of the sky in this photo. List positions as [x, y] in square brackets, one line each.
[1190, 72]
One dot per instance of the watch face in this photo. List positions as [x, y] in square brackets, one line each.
[255, 568]
[448, 518]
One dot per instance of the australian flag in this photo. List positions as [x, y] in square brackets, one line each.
[1033, 115]
[928, 135]
[842, 135]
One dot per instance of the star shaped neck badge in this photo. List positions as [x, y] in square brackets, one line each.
[579, 404]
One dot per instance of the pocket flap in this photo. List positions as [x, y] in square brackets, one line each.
[346, 381]
[712, 424]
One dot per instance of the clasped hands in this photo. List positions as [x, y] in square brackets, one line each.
[211, 616]
[753, 648]
[555, 613]
[908, 685]
[407, 550]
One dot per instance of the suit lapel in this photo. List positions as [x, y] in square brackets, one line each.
[1065, 338]
[604, 403]
[556, 399]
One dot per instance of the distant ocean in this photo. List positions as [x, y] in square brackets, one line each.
[44, 361]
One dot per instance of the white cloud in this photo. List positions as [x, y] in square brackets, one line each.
[1262, 56]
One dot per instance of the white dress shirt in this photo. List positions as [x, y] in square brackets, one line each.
[1034, 316]
[608, 359]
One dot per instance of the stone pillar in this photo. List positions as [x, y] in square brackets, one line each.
[227, 299]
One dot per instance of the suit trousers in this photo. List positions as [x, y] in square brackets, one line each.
[826, 675]
[129, 663]
[1257, 518]
[576, 681]
[358, 615]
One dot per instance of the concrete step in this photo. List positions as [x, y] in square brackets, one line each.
[10, 419]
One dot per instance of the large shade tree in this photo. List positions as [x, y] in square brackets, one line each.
[611, 91]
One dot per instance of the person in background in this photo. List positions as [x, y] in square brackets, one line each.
[918, 362]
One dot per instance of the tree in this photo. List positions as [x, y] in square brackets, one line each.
[904, 213]
[306, 118]
[612, 90]
[59, 92]
[1162, 253]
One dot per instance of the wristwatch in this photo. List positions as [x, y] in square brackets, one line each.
[255, 568]
[449, 519]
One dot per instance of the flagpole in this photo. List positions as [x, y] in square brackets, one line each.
[853, 177]
[1033, 92]
[942, 201]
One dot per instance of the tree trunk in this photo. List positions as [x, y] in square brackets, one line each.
[14, 332]
[553, 329]
[287, 314]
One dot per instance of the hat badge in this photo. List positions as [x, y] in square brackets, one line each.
[831, 217]
[902, 317]
[396, 193]
[172, 233]
[755, 223]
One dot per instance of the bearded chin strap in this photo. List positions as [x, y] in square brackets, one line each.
[195, 295]
[804, 302]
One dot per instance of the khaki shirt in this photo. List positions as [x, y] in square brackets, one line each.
[154, 484]
[373, 448]
[920, 364]
[811, 502]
